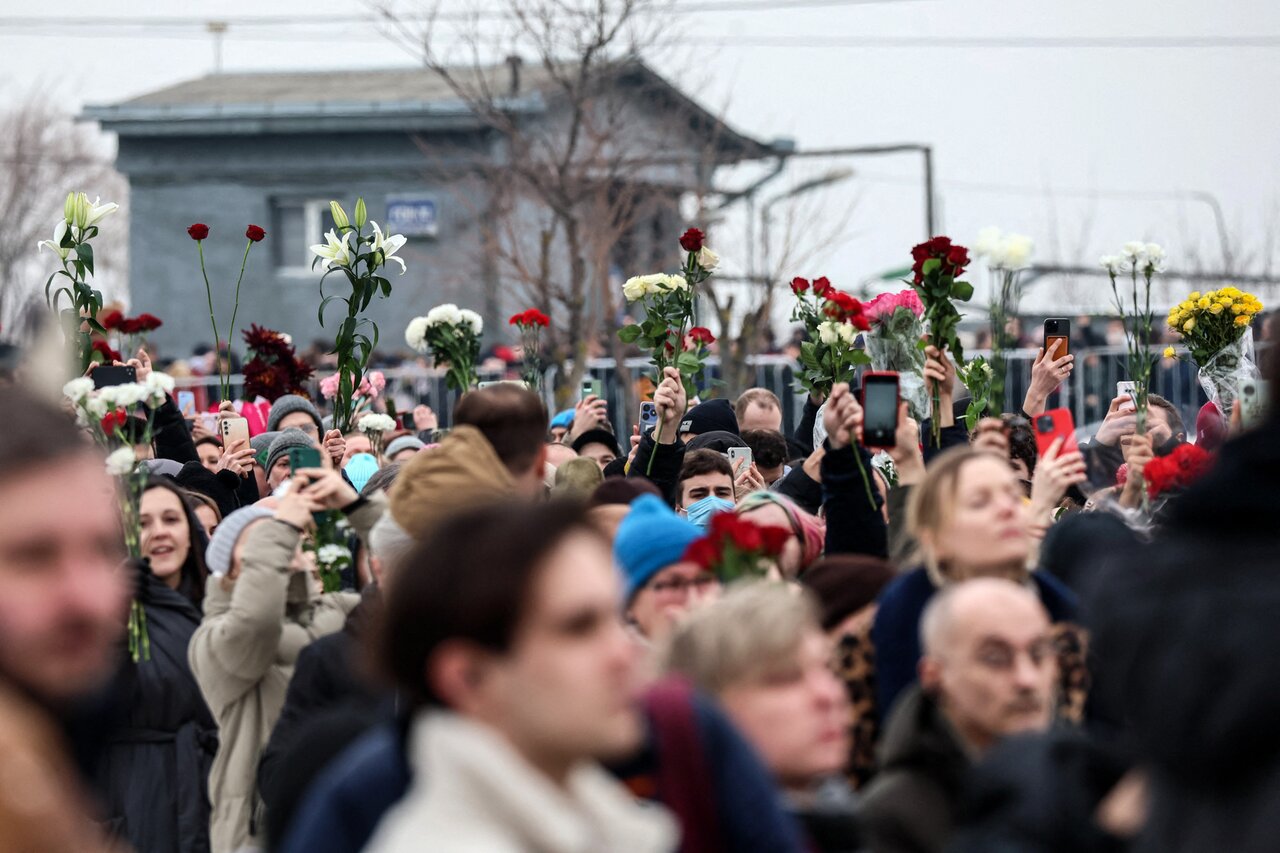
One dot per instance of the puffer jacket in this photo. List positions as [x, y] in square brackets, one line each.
[243, 656]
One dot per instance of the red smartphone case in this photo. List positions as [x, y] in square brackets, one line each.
[1063, 427]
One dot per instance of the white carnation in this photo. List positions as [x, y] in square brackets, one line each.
[120, 463]
[444, 315]
[375, 422]
[1015, 252]
[988, 242]
[1134, 250]
[828, 333]
[415, 334]
[1155, 257]
[333, 555]
[472, 319]
[77, 390]
[124, 396]
[1110, 263]
[95, 407]
[160, 385]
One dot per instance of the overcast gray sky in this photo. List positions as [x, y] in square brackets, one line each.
[1036, 128]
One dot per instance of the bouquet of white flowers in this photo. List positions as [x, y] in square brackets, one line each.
[452, 336]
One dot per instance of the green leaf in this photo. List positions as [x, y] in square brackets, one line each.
[931, 266]
[688, 362]
[859, 357]
[962, 290]
[84, 252]
[323, 303]
[629, 334]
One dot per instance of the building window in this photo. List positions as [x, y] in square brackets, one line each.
[298, 224]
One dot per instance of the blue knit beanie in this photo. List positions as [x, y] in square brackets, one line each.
[649, 539]
[360, 468]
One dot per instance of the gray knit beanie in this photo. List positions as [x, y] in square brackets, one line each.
[404, 442]
[287, 405]
[285, 440]
[261, 444]
[223, 542]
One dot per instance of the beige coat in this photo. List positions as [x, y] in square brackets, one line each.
[472, 792]
[242, 656]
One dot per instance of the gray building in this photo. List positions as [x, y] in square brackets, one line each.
[273, 148]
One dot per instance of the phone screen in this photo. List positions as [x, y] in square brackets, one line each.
[106, 375]
[187, 404]
[880, 410]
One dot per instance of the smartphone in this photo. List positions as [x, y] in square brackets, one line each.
[1058, 329]
[107, 374]
[303, 457]
[233, 430]
[736, 453]
[1255, 398]
[648, 416]
[1052, 425]
[590, 387]
[1126, 388]
[879, 409]
[187, 404]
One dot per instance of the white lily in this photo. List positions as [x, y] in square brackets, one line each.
[97, 212]
[337, 252]
[85, 213]
[388, 246]
[59, 231]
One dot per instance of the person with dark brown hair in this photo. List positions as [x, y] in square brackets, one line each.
[62, 617]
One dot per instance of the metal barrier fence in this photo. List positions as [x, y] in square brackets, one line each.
[1087, 395]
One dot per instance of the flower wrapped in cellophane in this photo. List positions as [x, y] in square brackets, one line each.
[1215, 329]
[895, 343]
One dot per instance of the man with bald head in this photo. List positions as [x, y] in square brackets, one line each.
[988, 671]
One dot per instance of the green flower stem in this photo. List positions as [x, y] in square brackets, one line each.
[235, 309]
[866, 480]
[223, 383]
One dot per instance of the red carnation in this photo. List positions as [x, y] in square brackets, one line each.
[198, 231]
[821, 286]
[111, 319]
[799, 285]
[253, 232]
[701, 335]
[703, 552]
[540, 319]
[691, 240]
[148, 322]
[516, 320]
[113, 421]
[104, 349]
[129, 326]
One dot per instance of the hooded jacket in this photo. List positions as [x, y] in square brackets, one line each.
[911, 805]
[494, 801]
[462, 473]
[243, 656]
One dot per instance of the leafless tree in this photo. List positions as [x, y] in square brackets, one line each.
[43, 156]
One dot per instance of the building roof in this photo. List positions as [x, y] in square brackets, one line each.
[395, 98]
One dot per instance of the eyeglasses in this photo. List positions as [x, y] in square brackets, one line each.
[681, 586]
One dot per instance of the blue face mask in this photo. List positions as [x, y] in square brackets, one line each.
[700, 513]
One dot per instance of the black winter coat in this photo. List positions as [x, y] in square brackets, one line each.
[153, 779]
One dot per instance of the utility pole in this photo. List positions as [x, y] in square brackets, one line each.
[217, 29]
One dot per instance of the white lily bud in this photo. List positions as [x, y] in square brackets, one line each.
[339, 215]
[69, 209]
[362, 215]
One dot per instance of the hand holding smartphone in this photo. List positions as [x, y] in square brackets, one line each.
[105, 375]
[879, 409]
[1052, 425]
[234, 429]
[1057, 330]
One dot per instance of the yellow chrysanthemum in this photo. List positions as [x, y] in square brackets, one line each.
[1189, 325]
[1203, 302]
[1238, 308]
[1194, 295]
[1225, 301]
[1215, 309]
[1187, 305]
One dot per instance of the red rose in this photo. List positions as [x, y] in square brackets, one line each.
[722, 525]
[703, 552]
[111, 319]
[199, 231]
[939, 246]
[148, 322]
[113, 421]
[701, 335]
[691, 240]
[958, 257]
[747, 536]
[920, 252]
[775, 539]
[821, 286]
[860, 322]
[253, 232]
[799, 285]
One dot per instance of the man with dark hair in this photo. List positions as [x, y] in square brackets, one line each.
[1104, 453]
[514, 422]
[705, 473]
[513, 654]
[769, 451]
[62, 615]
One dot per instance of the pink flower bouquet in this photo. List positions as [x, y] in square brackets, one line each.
[896, 342]
[370, 386]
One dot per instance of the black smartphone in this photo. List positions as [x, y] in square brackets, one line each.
[879, 409]
[303, 457]
[107, 374]
[1057, 329]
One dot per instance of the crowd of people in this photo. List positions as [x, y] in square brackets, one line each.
[961, 642]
